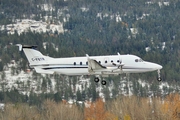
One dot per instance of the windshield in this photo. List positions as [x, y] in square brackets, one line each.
[138, 60]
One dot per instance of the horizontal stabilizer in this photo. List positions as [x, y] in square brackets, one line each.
[26, 46]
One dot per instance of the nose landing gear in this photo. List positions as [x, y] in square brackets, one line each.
[159, 76]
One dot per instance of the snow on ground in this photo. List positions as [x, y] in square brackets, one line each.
[26, 25]
[25, 82]
[82, 84]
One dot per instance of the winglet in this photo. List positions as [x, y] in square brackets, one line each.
[87, 55]
[93, 65]
[118, 53]
[20, 46]
[26, 46]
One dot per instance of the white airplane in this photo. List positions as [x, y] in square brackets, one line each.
[89, 65]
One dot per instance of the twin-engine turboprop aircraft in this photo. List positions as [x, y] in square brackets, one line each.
[89, 65]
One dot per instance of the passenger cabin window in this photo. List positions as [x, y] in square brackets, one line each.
[74, 63]
[106, 61]
[111, 60]
[118, 61]
[136, 60]
[80, 63]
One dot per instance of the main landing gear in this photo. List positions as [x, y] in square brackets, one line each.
[96, 79]
[159, 76]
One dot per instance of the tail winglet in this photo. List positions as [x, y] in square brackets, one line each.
[26, 46]
[20, 46]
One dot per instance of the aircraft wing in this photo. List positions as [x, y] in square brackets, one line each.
[93, 65]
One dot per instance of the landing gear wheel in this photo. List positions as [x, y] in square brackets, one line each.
[103, 82]
[96, 79]
[159, 79]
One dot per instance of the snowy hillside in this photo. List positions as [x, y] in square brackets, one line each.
[29, 81]
[25, 25]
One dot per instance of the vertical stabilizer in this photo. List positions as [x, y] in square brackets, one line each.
[34, 56]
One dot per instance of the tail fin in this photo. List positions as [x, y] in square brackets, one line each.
[34, 56]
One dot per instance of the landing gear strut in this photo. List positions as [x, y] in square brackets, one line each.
[159, 76]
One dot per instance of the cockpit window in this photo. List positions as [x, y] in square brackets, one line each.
[138, 60]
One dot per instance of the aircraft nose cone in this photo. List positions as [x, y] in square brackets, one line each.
[159, 67]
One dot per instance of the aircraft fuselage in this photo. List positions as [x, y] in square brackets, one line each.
[79, 65]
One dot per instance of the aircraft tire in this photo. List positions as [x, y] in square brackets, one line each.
[96, 79]
[103, 82]
[159, 79]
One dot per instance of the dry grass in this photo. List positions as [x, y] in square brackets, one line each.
[50, 111]
[121, 108]
[97, 111]
[19, 112]
[61, 111]
[137, 108]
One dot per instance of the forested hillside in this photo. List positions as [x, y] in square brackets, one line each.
[148, 29]
[100, 27]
